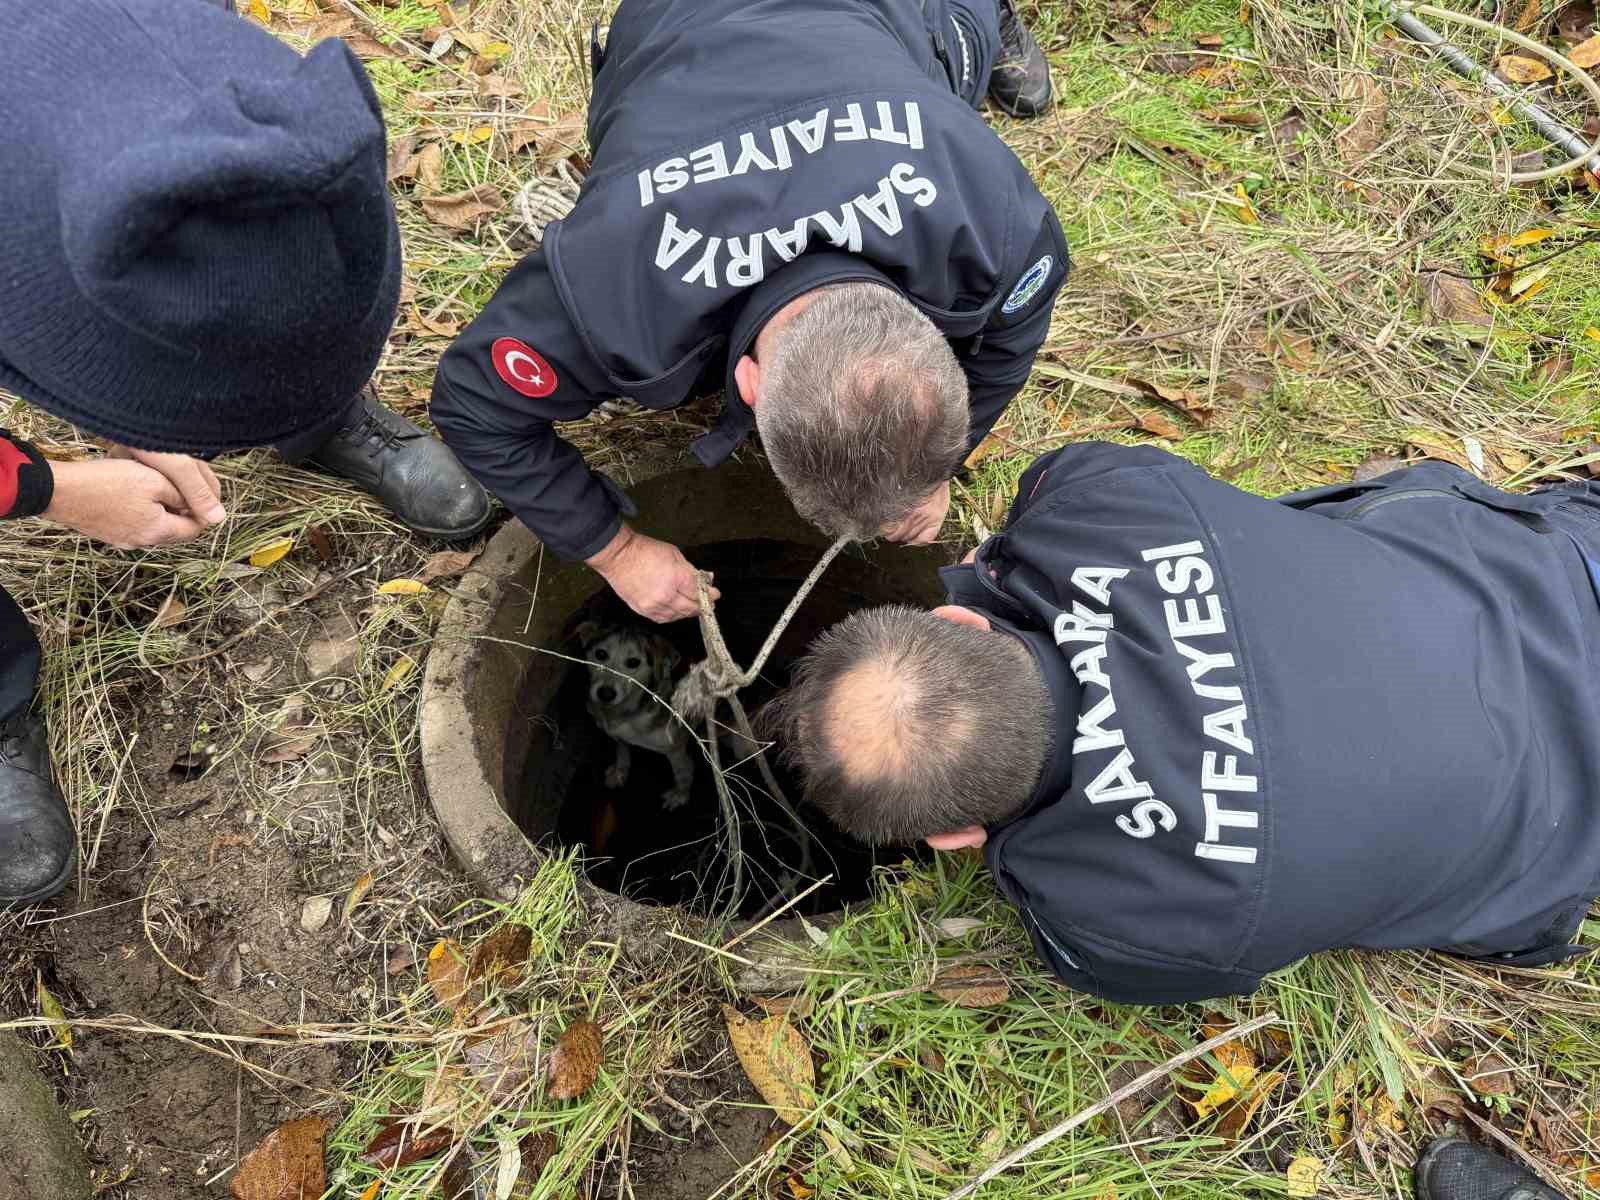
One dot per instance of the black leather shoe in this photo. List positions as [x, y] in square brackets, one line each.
[1456, 1169]
[38, 848]
[1020, 81]
[413, 473]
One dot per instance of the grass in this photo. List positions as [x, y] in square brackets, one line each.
[1270, 271]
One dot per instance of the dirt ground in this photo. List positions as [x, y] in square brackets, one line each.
[188, 915]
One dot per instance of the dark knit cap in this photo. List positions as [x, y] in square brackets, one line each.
[197, 248]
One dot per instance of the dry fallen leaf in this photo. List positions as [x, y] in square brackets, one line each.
[366, 46]
[502, 957]
[462, 211]
[1190, 400]
[955, 927]
[399, 1143]
[499, 86]
[1365, 133]
[447, 564]
[1553, 368]
[798, 1007]
[288, 749]
[1529, 17]
[271, 552]
[777, 1061]
[170, 613]
[403, 158]
[503, 1064]
[972, 985]
[447, 974]
[1440, 446]
[991, 445]
[1518, 69]
[1235, 1116]
[358, 892]
[575, 1062]
[430, 169]
[50, 1009]
[1243, 208]
[286, 1165]
[1454, 300]
[1162, 427]
[398, 673]
[537, 1150]
[1305, 1176]
[1586, 54]
[1489, 1075]
[1294, 350]
[402, 587]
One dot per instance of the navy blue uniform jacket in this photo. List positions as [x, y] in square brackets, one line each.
[1367, 715]
[745, 152]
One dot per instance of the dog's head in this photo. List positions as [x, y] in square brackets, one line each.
[625, 663]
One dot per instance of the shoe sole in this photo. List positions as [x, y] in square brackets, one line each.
[50, 889]
[453, 535]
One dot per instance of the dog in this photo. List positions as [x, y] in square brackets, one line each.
[625, 666]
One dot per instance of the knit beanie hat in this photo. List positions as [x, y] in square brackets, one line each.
[197, 248]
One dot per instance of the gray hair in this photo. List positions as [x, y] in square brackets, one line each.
[902, 724]
[863, 410]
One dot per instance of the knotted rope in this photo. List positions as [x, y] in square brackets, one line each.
[717, 678]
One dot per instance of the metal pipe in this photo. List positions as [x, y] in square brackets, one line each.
[1554, 129]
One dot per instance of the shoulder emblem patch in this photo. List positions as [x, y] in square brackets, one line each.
[522, 368]
[1028, 286]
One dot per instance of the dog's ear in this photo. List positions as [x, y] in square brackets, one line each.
[586, 633]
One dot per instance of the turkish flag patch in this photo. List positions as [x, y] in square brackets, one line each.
[522, 368]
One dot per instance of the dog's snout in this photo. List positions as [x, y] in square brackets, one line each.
[605, 693]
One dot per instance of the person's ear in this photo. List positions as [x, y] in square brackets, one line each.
[958, 839]
[747, 376]
[962, 616]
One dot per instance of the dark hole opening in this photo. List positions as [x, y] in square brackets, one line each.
[633, 845]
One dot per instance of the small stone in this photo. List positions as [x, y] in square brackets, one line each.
[314, 914]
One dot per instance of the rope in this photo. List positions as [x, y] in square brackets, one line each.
[717, 678]
[544, 199]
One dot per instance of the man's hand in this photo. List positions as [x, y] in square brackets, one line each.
[194, 479]
[652, 577]
[122, 502]
[922, 524]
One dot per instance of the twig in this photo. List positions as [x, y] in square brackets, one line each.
[1122, 1093]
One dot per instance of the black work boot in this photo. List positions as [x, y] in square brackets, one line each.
[1020, 81]
[38, 848]
[413, 473]
[1456, 1169]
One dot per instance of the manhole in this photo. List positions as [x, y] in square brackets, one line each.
[514, 763]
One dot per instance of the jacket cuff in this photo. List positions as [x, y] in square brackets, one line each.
[27, 482]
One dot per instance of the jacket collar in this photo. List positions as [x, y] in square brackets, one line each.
[809, 271]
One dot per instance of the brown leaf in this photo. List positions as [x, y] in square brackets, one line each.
[320, 542]
[1246, 386]
[1170, 64]
[402, 960]
[503, 1064]
[502, 957]
[1162, 427]
[498, 86]
[462, 211]
[972, 985]
[286, 1165]
[777, 1061]
[1586, 54]
[1517, 69]
[1237, 1113]
[1437, 445]
[1209, 41]
[289, 749]
[575, 1062]
[1529, 17]
[1287, 128]
[399, 1143]
[1365, 133]
[564, 137]
[357, 893]
[447, 564]
[1188, 400]
[367, 46]
[1489, 1075]
[537, 1150]
[1375, 465]
[798, 1007]
[403, 157]
[447, 974]
[1248, 118]
[1575, 22]
[430, 168]
[170, 613]
[1553, 368]
[1454, 301]
[1293, 350]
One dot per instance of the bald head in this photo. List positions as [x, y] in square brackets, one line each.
[904, 725]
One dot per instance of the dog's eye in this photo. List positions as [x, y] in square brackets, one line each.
[600, 656]
[633, 663]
